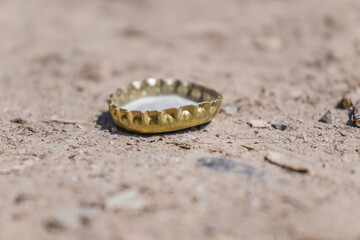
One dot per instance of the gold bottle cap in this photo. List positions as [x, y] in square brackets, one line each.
[201, 105]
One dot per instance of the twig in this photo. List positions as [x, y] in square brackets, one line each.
[287, 163]
[248, 147]
[64, 121]
[181, 145]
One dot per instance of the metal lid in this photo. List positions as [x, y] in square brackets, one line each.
[206, 104]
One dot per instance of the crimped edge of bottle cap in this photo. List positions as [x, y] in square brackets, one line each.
[167, 120]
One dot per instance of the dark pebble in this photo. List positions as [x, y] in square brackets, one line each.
[228, 165]
[282, 125]
[328, 117]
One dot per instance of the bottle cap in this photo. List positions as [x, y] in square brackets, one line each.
[155, 105]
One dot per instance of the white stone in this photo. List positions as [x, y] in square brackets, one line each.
[126, 200]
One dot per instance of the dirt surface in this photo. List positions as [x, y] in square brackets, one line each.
[66, 172]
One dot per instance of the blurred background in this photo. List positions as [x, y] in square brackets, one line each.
[62, 50]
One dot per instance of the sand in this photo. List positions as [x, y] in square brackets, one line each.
[264, 168]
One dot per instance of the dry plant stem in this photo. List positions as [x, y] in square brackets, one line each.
[283, 162]
[356, 114]
[64, 121]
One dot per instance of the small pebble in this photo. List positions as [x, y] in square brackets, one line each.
[269, 43]
[231, 110]
[302, 136]
[21, 198]
[129, 199]
[282, 125]
[18, 120]
[325, 165]
[72, 219]
[328, 117]
[258, 124]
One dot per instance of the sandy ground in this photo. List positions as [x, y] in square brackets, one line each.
[274, 60]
